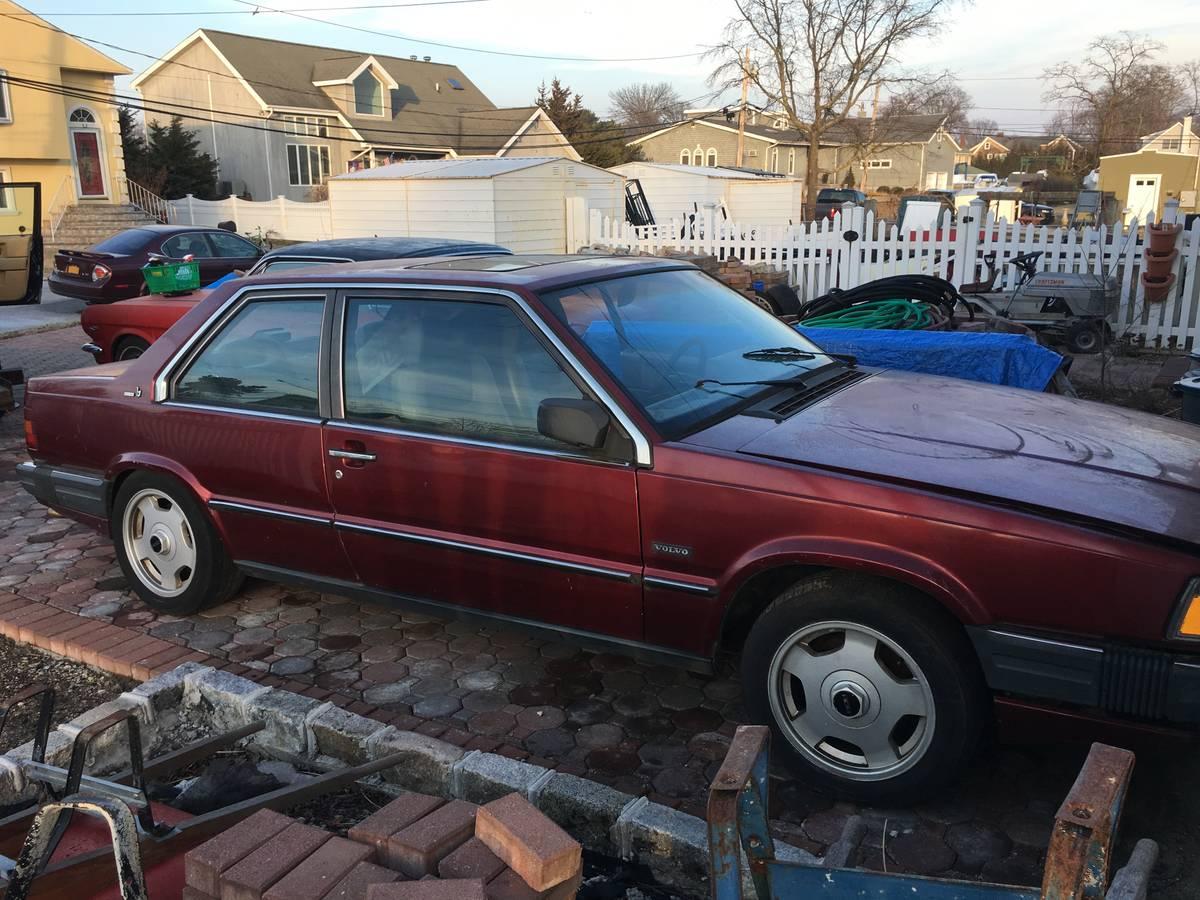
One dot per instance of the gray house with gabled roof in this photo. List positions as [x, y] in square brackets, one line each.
[280, 118]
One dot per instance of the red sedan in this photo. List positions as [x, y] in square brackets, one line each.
[624, 451]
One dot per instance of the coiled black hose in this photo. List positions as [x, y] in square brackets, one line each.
[919, 288]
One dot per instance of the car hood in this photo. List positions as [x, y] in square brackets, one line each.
[1065, 457]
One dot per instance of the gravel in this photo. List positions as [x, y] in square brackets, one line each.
[77, 688]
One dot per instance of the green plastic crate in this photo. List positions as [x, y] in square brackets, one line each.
[171, 278]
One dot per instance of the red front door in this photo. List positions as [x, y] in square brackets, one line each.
[442, 486]
[88, 163]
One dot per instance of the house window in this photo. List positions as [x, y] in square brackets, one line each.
[1172, 143]
[775, 160]
[712, 156]
[307, 164]
[81, 117]
[5, 175]
[685, 157]
[312, 126]
[879, 163]
[368, 94]
[792, 161]
[5, 103]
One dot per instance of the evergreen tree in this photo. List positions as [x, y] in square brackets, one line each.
[174, 151]
[600, 142]
[134, 147]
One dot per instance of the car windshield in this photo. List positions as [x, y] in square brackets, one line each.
[127, 242]
[686, 348]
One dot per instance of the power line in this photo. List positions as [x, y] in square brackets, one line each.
[391, 35]
[204, 116]
[292, 88]
[244, 12]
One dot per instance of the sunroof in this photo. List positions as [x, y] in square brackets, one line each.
[454, 83]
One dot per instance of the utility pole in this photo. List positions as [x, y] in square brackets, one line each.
[741, 145]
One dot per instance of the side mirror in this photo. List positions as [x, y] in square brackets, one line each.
[581, 423]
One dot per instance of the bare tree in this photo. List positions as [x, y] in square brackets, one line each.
[1116, 93]
[645, 103]
[941, 97]
[1189, 77]
[816, 61]
[976, 130]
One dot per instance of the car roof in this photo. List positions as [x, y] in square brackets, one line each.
[175, 229]
[533, 272]
[360, 249]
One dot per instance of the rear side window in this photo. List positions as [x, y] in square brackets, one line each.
[264, 358]
[230, 245]
[127, 242]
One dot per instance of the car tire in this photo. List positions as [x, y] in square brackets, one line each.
[129, 348]
[167, 546]
[785, 299]
[884, 702]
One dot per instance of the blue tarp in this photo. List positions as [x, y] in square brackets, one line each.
[1015, 360]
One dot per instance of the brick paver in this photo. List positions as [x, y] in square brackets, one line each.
[648, 730]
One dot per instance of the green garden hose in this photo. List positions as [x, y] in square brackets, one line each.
[899, 315]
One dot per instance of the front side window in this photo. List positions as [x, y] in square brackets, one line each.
[368, 94]
[308, 164]
[264, 358]
[449, 367]
[668, 338]
[182, 245]
[231, 246]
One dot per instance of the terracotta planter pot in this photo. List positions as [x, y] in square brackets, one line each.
[1158, 265]
[1162, 237]
[1155, 290]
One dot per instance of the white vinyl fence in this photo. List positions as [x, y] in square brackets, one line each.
[279, 219]
[852, 248]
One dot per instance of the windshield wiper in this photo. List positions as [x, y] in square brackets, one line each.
[770, 354]
[783, 354]
[795, 379]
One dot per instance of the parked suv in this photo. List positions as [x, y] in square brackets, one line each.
[830, 201]
[624, 452]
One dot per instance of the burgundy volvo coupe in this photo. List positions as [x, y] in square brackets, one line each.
[624, 451]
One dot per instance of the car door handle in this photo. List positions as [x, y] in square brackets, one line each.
[355, 455]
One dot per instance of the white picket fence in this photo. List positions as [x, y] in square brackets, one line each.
[852, 249]
[280, 218]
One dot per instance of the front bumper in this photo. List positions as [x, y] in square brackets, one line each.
[68, 490]
[1151, 685]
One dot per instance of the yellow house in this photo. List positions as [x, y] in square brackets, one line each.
[1166, 167]
[54, 126]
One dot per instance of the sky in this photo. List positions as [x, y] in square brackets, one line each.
[996, 50]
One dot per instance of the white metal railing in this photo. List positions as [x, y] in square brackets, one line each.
[853, 248]
[57, 207]
[148, 201]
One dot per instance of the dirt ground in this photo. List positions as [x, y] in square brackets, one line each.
[77, 688]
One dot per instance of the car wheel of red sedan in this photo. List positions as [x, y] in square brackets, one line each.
[130, 348]
[869, 693]
[167, 547]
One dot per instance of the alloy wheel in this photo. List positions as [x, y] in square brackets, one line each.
[159, 542]
[851, 701]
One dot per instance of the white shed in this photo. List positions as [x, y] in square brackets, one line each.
[675, 192]
[527, 204]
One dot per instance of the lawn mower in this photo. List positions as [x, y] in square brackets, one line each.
[1071, 306]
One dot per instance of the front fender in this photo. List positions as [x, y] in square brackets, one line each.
[888, 562]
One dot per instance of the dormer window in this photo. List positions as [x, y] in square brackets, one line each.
[368, 94]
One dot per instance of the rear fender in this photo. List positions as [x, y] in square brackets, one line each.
[127, 463]
[891, 563]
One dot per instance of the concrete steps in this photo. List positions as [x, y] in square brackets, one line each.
[84, 226]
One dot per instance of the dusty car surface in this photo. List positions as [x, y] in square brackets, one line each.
[628, 453]
[124, 330]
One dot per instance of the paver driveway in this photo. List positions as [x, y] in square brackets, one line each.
[643, 729]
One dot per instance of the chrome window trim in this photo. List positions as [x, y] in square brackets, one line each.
[643, 453]
[551, 562]
[243, 411]
[268, 511]
[265, 261]
[474, 442]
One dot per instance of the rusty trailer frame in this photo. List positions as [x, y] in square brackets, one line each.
[1077, 863]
